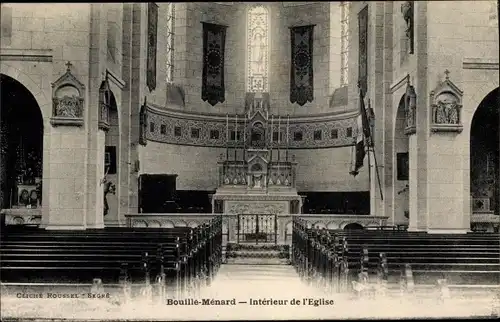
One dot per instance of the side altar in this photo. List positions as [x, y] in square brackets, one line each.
[257, 174]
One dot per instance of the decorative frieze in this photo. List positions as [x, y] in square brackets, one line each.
[257, 207]
[176, 128]
[446, 100]
[67, 100]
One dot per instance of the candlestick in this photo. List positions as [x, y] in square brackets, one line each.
[287, 137]
[235, 136]
[244, 138]
[227, 136]
[272, 135]
[279, 136]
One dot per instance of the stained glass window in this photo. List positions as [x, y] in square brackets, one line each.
[258, 49]
[170, 42]
[344, 40]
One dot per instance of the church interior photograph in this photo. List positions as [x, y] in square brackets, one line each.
[250, 160]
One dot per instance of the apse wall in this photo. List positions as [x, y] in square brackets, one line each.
[189, 54]
[318, 169]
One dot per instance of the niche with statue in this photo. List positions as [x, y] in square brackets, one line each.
[67, 100]
[446, 100]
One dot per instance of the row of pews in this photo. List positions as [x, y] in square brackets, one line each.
[342, 260]
[181, 258]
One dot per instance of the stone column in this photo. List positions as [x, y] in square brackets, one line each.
[375, 100]
[96, 137]
[417, 152]
[65, 188]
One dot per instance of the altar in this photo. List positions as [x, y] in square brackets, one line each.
[257, 174]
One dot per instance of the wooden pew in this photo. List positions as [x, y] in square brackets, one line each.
[56, 256]
[467, 259]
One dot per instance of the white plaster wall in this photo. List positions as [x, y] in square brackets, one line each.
[318, 169]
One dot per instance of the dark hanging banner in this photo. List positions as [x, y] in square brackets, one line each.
[152, 42]
[214, 41]
[301, 76]
[363, 49]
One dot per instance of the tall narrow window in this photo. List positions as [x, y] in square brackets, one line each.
[258, 49]
[170, 42]
[344, 42]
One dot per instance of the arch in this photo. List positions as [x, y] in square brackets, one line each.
[193, 224]
[140, 224]
[154, 224]
[112, 154]
[400, 158]
[36, 91]
[21, 146]
[353, 226]
[168, 224]
[484, 159]
[332, 225]
[479, 93]
[180, 223]
[319, 225]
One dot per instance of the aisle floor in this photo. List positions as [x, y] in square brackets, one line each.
[246, 285]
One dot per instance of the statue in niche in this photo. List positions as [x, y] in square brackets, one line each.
[258, 136]
[67, 100]
[410, 117]
[68, 106]
[446, 111]
[257, 180]
[407, 11]
[410, 101]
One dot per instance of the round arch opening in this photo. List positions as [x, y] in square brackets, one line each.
[401, 165]
[111, 164]
[353, 226]
[484, 156]
[21, 146]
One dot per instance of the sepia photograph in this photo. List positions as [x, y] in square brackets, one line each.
[232, 161]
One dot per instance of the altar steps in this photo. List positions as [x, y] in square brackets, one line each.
[257, 254]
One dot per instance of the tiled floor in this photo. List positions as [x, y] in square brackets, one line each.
[244, 286]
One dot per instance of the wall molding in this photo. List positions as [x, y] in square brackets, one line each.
[480, 63]
[320, 117]
[14, 54]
